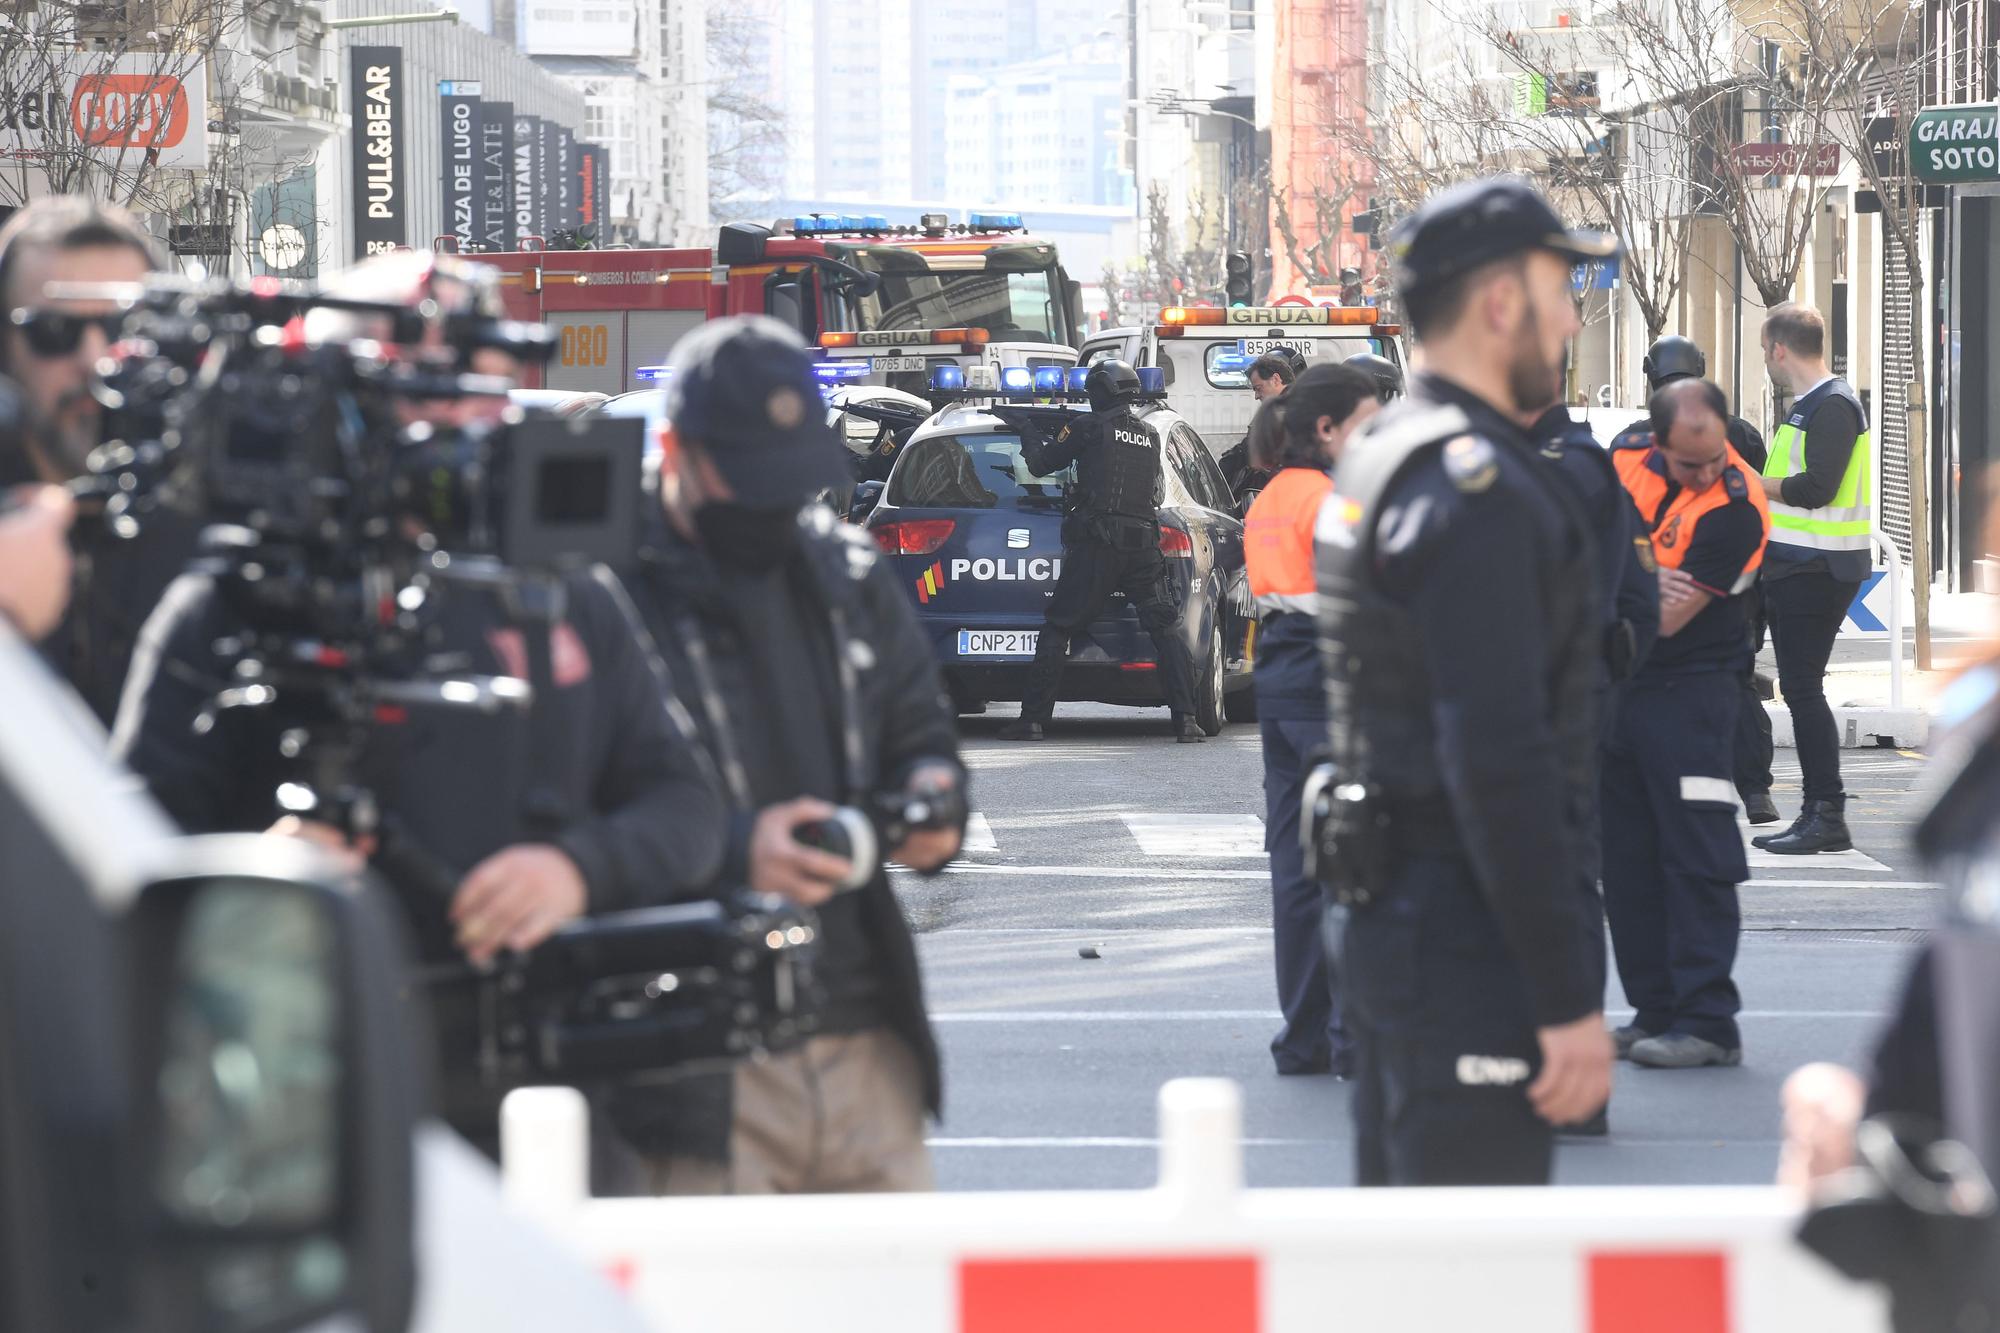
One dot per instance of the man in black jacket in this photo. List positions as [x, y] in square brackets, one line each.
[593, 799]
[50, 344]
[801, 659]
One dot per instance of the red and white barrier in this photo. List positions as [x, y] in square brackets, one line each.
[1196, 1254]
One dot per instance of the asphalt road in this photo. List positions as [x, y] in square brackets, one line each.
[1108, 835]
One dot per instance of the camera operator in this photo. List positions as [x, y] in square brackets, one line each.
[590, 800]
[802, 661]
[34, 558]
[50, 345]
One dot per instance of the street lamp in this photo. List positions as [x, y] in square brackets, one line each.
[379, 20]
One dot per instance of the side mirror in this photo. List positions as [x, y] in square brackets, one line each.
[278, 1097]
[866, 496]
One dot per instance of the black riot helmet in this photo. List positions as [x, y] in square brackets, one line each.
[1673, 358]
[1388, 376]
[1110, 385]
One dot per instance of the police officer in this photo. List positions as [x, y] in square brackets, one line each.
[1111, 543]
[802, 662]
[1629, 601]
[50, 344]
[1462, 633]
[1388, 376]
[1819, 479]
[1672, 853]
[1676, 358]
[1321, 412]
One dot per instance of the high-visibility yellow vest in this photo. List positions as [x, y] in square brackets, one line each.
[1843, 523]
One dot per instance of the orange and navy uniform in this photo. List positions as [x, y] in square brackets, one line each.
[1278, 551]
[1716, 537]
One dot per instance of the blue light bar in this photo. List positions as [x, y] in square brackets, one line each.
[996, 222]
[875, 222]
[947, 376]
[1049, 379]
[652, 374]
[1152, 379]
[1077, 376]
[837, 371]
[800, 226]
[1016, 380]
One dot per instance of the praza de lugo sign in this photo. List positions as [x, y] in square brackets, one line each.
[1955, 145]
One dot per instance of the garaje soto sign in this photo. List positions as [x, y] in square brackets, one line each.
[1952, 145]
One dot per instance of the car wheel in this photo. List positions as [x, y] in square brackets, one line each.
[1209, 700]
[1241, 705]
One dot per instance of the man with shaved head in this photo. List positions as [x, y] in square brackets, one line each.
[1672, 853]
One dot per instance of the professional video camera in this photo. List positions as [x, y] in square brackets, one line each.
[863, 836]
[340, 525]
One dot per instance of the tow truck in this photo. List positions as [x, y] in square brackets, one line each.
[1205, 353]
[883, 303]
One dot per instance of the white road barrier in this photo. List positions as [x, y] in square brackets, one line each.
[1196, 1254]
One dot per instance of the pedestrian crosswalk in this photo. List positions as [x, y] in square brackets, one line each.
[1184, 835]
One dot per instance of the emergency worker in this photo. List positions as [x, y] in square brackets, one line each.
[1820, 482]
[50, 344]
[614, 807]
[1673, 358]
[803, 664]
[1672, 853]
[1461, 631]
[1111, 543]
[1629, 602]
[1321, 412]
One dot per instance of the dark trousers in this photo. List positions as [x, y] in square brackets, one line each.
[1753, 725]
[1805, 612]
[1673, 855]
[1091, 572]
[1312, 1036]
[1444, 1034]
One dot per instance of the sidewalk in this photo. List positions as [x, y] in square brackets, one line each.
[1965, 627]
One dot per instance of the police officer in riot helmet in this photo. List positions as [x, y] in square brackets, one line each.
[1111, 543]
[1462, 630]
[1388, 376]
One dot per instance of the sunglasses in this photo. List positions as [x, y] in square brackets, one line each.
[53, 333]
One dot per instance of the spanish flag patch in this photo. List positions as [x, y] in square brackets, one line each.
[930, 583]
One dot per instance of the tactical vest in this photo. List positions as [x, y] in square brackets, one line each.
[1376, 683]
[1837, 531]
[1671, 512]
[1120, 474]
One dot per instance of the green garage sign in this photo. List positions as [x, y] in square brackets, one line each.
[1954, 145]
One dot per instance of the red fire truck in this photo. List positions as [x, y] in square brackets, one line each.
[884, 302]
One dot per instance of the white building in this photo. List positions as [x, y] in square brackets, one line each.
[1038, 133]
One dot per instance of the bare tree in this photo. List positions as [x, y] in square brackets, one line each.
[746, 129]
[1184, 260]
[1323, 206]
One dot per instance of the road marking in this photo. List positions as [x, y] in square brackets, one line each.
[1267, 1015]
[1169, 873]
[1197, 835]
[979, 835]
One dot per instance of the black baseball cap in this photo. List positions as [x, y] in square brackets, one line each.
[743, 392]
[1479, 221]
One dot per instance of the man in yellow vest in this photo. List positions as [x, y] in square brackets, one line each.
[1820, 478]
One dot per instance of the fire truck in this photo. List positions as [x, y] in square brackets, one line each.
[883, 303]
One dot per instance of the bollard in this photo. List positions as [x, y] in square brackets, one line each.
[545, 1150]
[1201, 1144]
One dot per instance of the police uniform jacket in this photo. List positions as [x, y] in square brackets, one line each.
[1118, 466]
[1625, 580]
[1474, 628]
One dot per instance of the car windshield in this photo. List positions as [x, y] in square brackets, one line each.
[1010, 291]
[982, 471]
[1227, 364]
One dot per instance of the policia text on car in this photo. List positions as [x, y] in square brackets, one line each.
[1461, 626]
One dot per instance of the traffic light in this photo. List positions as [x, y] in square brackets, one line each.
[1368, 222]
[1236, 271]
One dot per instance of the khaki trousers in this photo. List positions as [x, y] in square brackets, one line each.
[840, 1115]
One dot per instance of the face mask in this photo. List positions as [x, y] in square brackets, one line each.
[752, 540]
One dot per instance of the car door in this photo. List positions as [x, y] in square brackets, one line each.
[1221, 532]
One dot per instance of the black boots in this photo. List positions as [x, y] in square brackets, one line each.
[1758, 809]
[1188, 732]
[1820, 827]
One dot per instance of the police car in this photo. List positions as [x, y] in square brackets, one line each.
[1204, 354]
[977, 540]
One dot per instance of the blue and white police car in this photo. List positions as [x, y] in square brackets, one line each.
[977, 539]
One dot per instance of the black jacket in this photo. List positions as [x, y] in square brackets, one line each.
[1629, 589]
[642, 815]
[896, 709]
